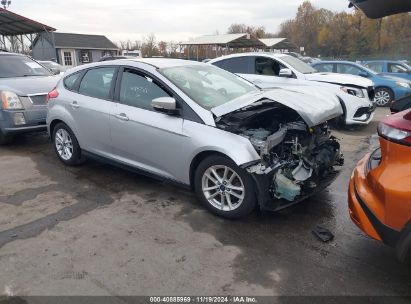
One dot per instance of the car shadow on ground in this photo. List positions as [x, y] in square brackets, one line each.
[278, 250]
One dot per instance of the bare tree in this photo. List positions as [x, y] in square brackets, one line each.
[149, 47]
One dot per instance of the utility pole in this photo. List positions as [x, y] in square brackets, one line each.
[5, 3]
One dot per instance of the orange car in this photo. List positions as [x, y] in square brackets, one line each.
[379, 194]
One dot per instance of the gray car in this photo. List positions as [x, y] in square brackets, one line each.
[54, 67]
[24, 85]
[199, 126]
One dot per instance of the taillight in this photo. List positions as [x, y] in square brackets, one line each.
[53, 94]
[397, 135]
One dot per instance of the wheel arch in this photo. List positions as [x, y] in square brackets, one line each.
[387, 88]
[198, 159]
[53, 124]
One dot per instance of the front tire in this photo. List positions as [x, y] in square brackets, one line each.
[224, 188]
[383, 97]
[66, 145]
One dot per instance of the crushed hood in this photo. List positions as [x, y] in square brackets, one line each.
[342, 79]
[313, 108]
[24, 86]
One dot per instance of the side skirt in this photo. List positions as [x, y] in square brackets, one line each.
[134, 170]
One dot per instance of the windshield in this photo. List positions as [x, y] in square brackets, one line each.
[20, 66]
[208, 86]
[298, 65]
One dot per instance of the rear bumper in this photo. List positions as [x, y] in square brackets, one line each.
[360, 212]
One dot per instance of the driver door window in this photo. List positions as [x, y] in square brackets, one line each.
[138, 91]
[396, 68]
[267, 67]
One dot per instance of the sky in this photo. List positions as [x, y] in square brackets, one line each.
[169, 20]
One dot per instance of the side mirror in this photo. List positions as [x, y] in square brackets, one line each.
[363, 74]
[286, 73]
[55, 71]
[166, 105]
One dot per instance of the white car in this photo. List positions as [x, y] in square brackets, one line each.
[269, 70]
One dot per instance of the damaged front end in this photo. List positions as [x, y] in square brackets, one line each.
[296, 160]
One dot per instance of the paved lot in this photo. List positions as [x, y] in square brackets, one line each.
[100, 230]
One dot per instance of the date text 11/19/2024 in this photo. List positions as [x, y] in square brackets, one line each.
[203, 299]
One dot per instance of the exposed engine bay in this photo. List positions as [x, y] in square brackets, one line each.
[296, 159]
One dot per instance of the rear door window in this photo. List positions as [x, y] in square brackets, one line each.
[97, 82]
[324, 67]
[376, 66]
[239, 65]
[348, 69]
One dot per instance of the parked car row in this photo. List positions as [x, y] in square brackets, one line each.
[387, 88]
[269, 70]
[242, 131]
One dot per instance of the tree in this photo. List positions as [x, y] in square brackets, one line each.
[240, 28]
[343, 34]
[162, 48]
[149, 47]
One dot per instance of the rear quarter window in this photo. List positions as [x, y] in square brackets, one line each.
[70, 81]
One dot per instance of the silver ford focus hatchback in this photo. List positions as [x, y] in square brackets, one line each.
[194, 124]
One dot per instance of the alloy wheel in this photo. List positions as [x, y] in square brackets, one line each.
[382, 98]
[64, 144]
[223, 188]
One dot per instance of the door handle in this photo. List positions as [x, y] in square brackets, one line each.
[122, 116]
[75, 105]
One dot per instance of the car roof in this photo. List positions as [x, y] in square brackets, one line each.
[154, 62]
[165, 62]
[337, 61]
[8, 53]
[264, 54]
[397, 61]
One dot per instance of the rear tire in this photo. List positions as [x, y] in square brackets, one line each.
[66, 145]
[383, 97]
[5, 139]
[403, 249]
[224, 188]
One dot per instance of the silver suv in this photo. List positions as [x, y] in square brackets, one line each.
[200, 126]
[24, 85]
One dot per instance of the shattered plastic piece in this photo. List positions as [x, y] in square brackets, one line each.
[323, 234]
[285, 188]
[302, 173]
